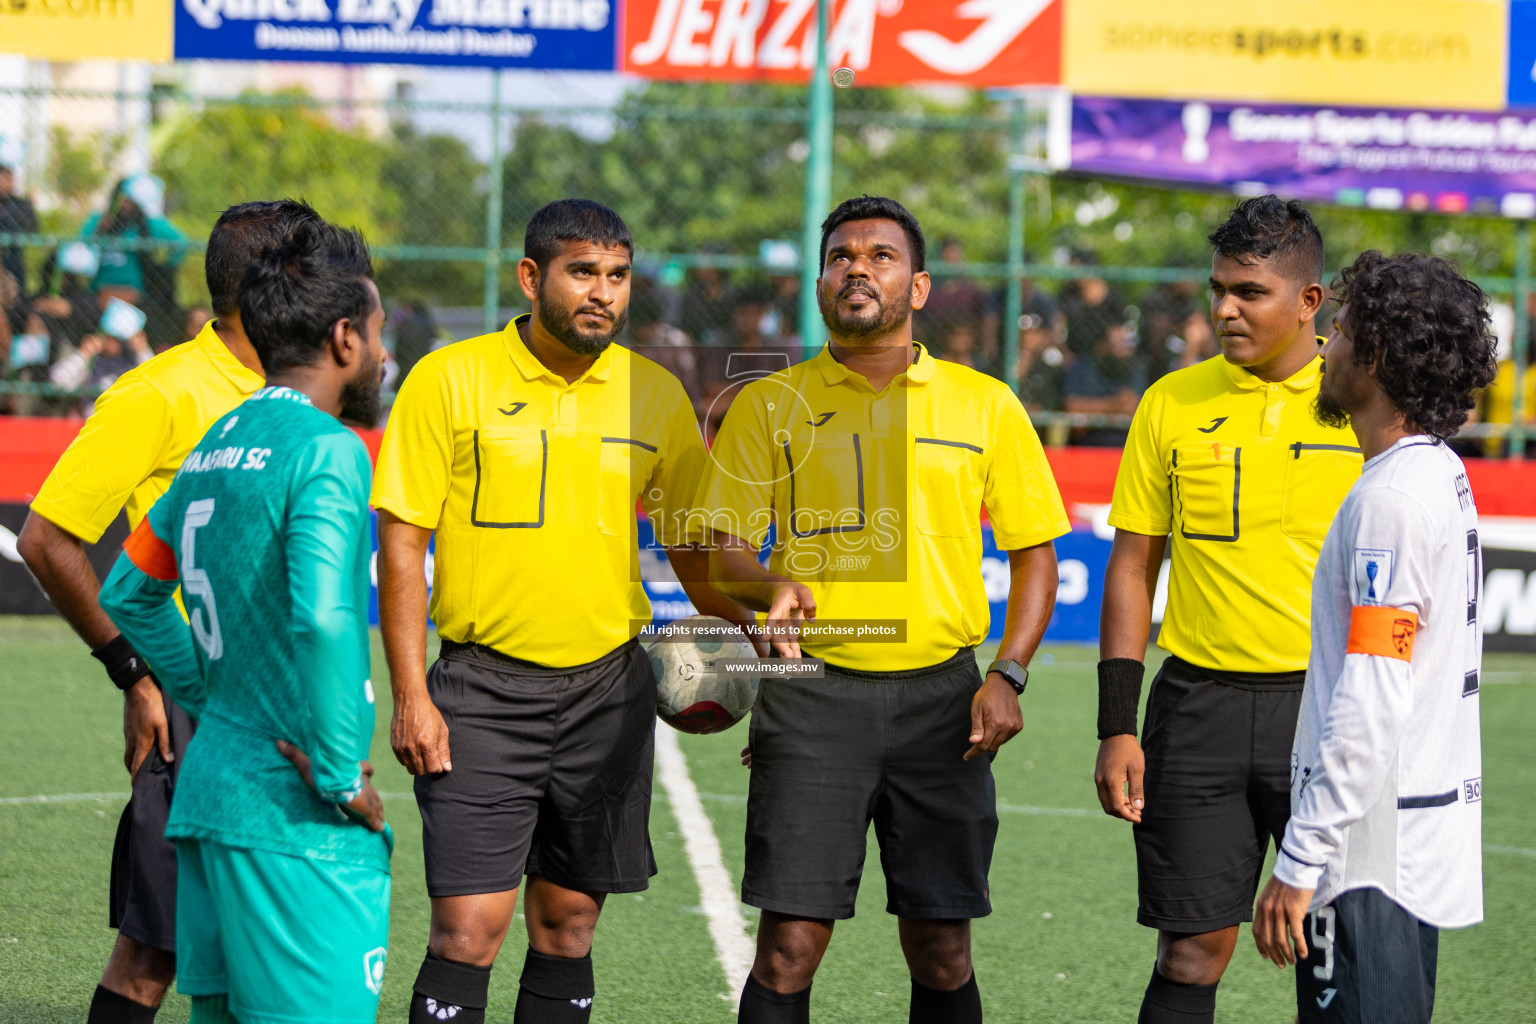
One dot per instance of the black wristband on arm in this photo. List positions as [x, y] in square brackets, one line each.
[1119, 695]
[124, 666]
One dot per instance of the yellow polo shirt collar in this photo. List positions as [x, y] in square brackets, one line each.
[1303, 379]
[529, 366]
[833, 372]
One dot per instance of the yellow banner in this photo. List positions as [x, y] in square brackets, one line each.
[1401, 53]
[78, 29]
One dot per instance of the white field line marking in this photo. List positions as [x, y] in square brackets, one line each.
[62, 798]
[733, 947]
[1513, 851]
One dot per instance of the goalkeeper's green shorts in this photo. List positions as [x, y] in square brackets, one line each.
[290, 940]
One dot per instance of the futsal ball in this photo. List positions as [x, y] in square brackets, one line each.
[694, 693]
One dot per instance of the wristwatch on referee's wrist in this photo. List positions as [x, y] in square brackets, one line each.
[1016, 674]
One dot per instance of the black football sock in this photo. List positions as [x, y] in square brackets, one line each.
[554, 990]
[449, 990]
[762, 1005]
[107, 1007]
[1168, 1002]
[932, 1006]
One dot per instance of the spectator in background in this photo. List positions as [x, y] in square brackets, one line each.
[956, 301]
[1040, 335]
[17, 216]
[783, 318]
[1108, 381]
[415, 336]
[707, 300]
[657, 340]
[745, 328]
[142, 277]
[1092, 312]
[1176, 328]
[118, 345]
[65, 304]
[960, 344]
[193, 323]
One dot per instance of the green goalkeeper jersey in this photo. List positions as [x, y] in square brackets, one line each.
[266, 531]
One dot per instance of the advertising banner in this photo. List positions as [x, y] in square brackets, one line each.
[1522, 53]
[67, 30]
[1448, 54]
[886, 42]
[1452, 162]
[573, 35]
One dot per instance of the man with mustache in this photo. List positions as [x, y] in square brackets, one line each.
[873, 460]
[531, 738]
[1226, 456]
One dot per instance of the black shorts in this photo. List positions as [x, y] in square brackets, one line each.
[551, 773]
[1368, 960]
[142, 905]
[831, 755]
[1218, 791]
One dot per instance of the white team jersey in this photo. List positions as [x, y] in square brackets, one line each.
[1386, 786]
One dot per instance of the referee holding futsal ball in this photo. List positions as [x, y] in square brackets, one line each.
[1227, 457]
[874, 459]
[531, 738]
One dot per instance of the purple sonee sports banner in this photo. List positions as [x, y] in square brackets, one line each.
[1461, 162]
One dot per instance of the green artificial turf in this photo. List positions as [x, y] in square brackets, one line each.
[1061, 946]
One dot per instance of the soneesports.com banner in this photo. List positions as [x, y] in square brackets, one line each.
[571, 35]
[1382, 158]
[70, 30]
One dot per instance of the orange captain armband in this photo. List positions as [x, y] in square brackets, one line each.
[1387, 632]
[152, 556]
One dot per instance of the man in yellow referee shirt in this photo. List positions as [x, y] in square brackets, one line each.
[126, 456]
[873, 461]
[531, 737]
[1227, 458]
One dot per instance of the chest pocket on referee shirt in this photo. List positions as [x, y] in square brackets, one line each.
[1317, 477]
[511, 478]
[624, 466]
[1207, 483]
[945, 492]
[825, 477]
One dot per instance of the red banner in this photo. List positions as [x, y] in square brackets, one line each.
[886, 42]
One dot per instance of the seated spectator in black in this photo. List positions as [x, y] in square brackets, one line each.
[1106, 382]
[657, 340]
[415, 335]
[1040, 335]
[1175, 328]
[707, 301]
[145, 278]
[17, 217]
[1092, 311]
[954, 300]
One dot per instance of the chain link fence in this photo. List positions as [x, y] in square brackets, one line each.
[1034, 273]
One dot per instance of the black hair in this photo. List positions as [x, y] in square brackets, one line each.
[573, 220]
[1426, 330]
[242, 233]
[1265, 228]
[292, 295]
[877, 208]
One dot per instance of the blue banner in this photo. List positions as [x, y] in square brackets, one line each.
[1522, 53]
[570, 35]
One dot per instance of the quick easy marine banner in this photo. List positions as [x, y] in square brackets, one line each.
[572, 35]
